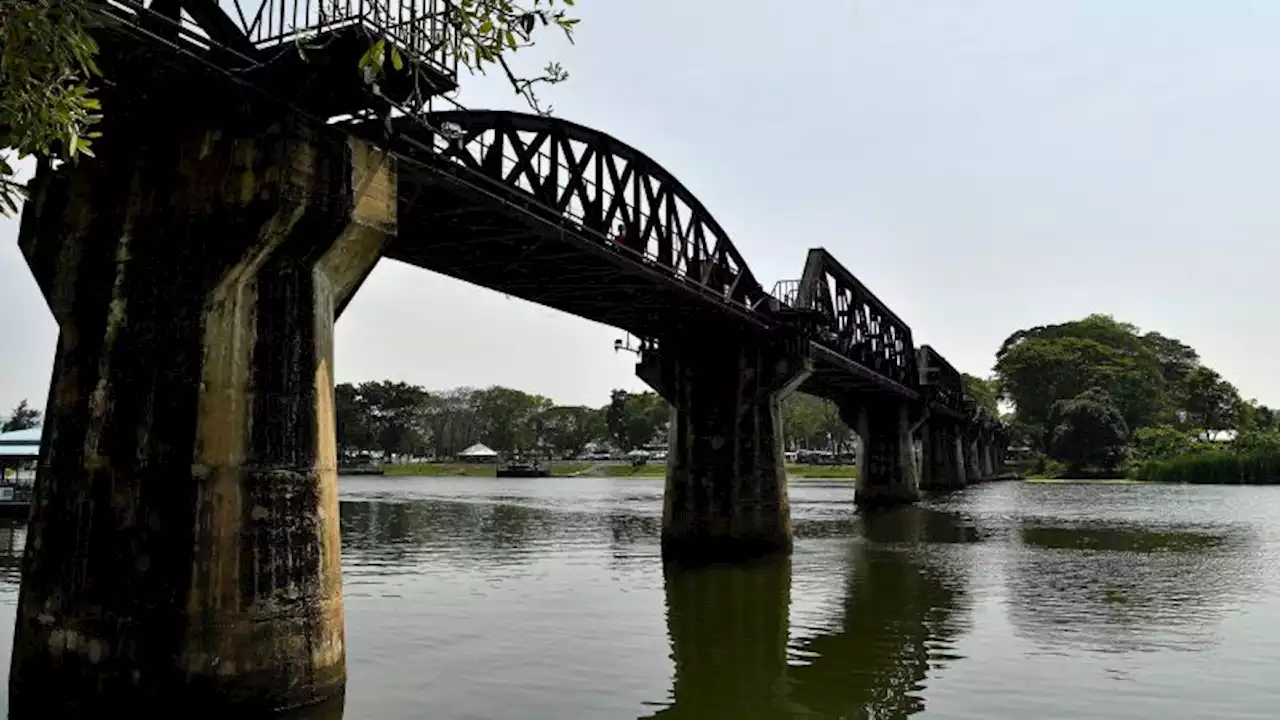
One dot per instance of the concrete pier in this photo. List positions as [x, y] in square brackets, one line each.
[886, 466]
[943, 469]
[726, 492]
[183, 551]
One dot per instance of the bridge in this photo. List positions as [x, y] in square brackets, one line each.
[184, 540]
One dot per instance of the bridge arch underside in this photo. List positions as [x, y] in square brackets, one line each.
[565, 216]
[531, 207]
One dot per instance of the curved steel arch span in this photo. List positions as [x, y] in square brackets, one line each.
[585, 186]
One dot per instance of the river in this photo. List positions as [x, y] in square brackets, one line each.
[486, 598]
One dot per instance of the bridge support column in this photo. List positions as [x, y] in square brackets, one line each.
[726, 493]
[972, 465]
[183, 551]
[958, 464]
[886, 466]
[988, 458]
[943, 469]
[928, 457]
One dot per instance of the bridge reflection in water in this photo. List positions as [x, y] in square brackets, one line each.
[735, 654]
[851, 627]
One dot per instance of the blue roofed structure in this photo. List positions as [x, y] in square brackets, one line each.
[21, 443]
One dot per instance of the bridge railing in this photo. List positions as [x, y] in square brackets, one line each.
[419, 29]
[859, 326]
[786, 292]
[940, 380]
[605, 191]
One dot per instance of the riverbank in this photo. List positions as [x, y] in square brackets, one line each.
[1222, 467]
[586, 469]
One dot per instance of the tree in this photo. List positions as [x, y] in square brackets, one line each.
[1087, 430]
[1253, 442]
[47, 66]
[351, 421]
[1264, 418]
[22, 418]
[813, 423]
[567, 430]
[1161, 443]
[449, 421]
[393, 413]
[1043, 365]
[1213, 404]
[634, 419]
[803, 421]
[1176, 360]
[508, 417]
[985, 393]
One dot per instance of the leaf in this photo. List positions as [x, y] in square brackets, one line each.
[486, 27]
[372, 57]
[397, 61]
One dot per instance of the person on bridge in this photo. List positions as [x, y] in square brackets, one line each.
[621, 238]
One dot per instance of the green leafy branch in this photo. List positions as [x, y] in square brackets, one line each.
[47, 106]
[484, 33]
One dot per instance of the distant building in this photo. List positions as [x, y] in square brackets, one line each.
[478, 453]
[19, 447]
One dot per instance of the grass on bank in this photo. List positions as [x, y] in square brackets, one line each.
[1259, 467]
[1214, 467]
[560, 469]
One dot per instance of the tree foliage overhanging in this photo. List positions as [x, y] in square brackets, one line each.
[48, 68]
[1095, 392]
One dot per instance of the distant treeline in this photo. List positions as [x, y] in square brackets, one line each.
[402, 419]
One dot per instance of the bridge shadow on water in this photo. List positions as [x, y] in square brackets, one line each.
[736, 653]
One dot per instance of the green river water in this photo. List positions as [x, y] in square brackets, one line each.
[546, 598]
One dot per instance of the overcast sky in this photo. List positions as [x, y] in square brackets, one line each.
[982, 166]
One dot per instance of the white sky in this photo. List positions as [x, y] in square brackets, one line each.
[982, 166]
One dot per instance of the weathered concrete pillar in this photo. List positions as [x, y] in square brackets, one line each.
[726, 493]
[926, 469]
[942, 468]
[183, 551]
[972, 466]
[988, 458]
[958, 464]
[886, 468]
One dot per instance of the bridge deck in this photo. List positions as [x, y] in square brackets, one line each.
[835, 377]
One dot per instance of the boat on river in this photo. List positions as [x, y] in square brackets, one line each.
[518, 468]
[368, 467]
